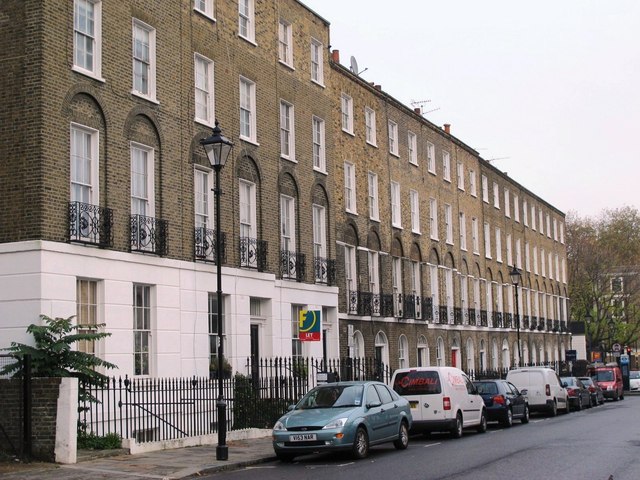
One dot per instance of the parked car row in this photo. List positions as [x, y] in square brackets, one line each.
[352, 416]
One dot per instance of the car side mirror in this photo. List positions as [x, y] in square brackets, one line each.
[565, 384]
[291, 407]
[374, 404]
[524, 391]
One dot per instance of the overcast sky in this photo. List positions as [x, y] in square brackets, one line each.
[550, 89]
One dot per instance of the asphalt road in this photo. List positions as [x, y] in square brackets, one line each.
[602, 443]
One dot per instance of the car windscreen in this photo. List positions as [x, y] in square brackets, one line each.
[634, 374]
[586, 380]
[486, 388]
[417, 383]
[332, 396]
[568, 380]
[604, 375]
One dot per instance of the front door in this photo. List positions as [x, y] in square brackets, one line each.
[255, 350]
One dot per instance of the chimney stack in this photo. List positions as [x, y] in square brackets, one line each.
[335, 56]
[447, 128]
[417, 110]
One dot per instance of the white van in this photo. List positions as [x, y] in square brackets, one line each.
[543, 389]
[441, 399]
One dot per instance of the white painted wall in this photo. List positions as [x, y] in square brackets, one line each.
[38, 277]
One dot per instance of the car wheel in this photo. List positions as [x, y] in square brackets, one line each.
[456, 432]
[525, 417]
[554, 409]
[360, 447]
[508, 419]
[285, 457]
[402, 441]
[482, 428]
[579, 405]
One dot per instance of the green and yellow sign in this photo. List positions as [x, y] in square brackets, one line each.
[310, 322]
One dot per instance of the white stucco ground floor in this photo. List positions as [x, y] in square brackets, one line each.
[158, 311]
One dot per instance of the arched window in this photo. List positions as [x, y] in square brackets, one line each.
[470, 354]
[357, 345]
[382, 349]
[403, 352]
[494, 355]
[440, 360]
[482, 357]
[506, 357]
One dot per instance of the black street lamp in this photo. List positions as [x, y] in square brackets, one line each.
[612, 330]
[516, 276]
[587, 324]
[218, 148]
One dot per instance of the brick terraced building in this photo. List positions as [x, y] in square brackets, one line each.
[336, 198]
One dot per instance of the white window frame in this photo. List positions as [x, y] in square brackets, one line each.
[540, 221]
[446, 166]
[412, 147]
[562, 233]
[414, 201]
[496, 195]
[350, 187]
[527, 257]
[204, 7]
[463, 231]
[370, 126]
[509, 250]
[393, 138]
[204, 88]
[431, 158]
[533, 217]
[485, 189]
[507, 204]
[285, 43]
[287, 131]
[90, 32]
[473, 186]
[319, 232]
[148, 196]
[248, 110]
[487, 240]
[460, 178]
[287, 223]
[317, 62]
[138, 57]
[396, 214]
[525, 213]
[448, 223]
[346, 110]
[143, 328]
[318, 144]
[247, 20]
[555, 229]
[518, 254]
[535, 260]
[548, 223]
[247, 209]
[396, 284]
[350, 271]
[498, 245]
[374, 207]
[86, 177]
[433, 218]
[374, 272]
[475, 239]
[516, 208]
[203, 200]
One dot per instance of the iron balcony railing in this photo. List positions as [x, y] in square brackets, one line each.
[205, 245]
[443, 315]
[541, 323]
[483, 318]
[427, 309]
[525, 322]
[508, 320]
[149, 234]
[497, 320]
[292, 265]
[253, 253]
[90, 224]
[457, 316]
[533, 325]
[324, 270]
[471, 312]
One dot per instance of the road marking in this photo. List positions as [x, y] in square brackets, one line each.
[432, 444]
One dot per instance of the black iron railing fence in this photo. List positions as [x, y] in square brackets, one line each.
[157, 409]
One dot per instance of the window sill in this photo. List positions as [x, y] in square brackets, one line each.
[145, 97]
[349, 132]
[289, 159]
[88, 73]
[323, 172]
[203, 122]
[287, 65]
[205, 15]
[397, 155]
[320, 84]
[249, 140]
[374, 145]
[248, 40]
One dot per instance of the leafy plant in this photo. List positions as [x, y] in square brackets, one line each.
[53, 355]
[90, 441]
[213, 368]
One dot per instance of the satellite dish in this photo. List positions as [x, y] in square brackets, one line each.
[354, 65]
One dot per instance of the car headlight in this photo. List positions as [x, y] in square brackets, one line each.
[337, 423]
[279, 426]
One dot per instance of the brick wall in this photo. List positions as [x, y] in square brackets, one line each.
[45, 392]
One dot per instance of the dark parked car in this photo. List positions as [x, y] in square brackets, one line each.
[597, 397]
[503, 401]
[578, 395]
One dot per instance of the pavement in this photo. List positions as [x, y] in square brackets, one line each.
[171, 464]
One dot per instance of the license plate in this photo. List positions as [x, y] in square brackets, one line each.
[302, 437]
[413, 404]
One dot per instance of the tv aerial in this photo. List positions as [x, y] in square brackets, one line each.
[421, 104]
[354, 66]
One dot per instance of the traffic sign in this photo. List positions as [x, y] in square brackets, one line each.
[624, 359]
[616, 347]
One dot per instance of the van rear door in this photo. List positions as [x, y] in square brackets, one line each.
[423, 390]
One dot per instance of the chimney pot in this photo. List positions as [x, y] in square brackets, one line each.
[378, 87]
[447, 128]
[418, 110]
[335, 56]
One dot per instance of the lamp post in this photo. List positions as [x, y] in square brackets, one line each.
[612, 328]
[516, 276]
[218, 147]
[587, 323]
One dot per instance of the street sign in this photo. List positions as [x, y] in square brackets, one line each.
[570, 355]
[624, 359]
[616, 347]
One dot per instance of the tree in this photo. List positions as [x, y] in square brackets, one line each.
[603, 256]
[53, 355]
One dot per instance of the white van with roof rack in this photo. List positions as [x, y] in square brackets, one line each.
[441, 399]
